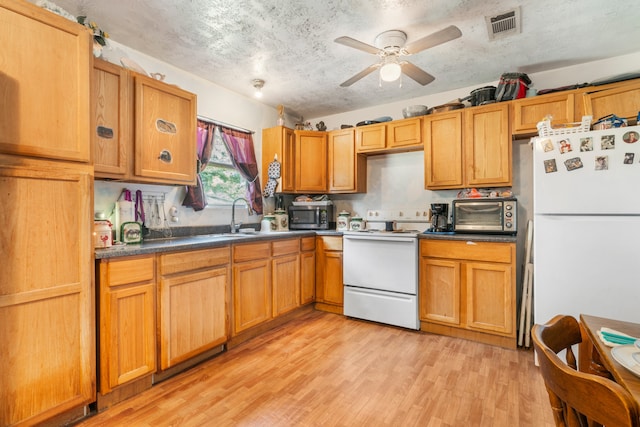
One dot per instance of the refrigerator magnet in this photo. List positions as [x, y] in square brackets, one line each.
[550, 166]
[630, 137]
[602, 163]
[573, 163]
[586, 144]
[564, 146]
[628, 158]
[608, 142]
[546, 145]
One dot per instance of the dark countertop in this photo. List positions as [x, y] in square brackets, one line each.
[204, 241]
[187, 243]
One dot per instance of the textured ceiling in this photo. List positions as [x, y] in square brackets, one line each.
[290, 44]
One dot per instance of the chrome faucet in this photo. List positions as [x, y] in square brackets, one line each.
[235, 227]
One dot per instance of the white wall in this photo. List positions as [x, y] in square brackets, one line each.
[393, 180]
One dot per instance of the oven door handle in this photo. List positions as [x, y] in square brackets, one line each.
[379, 239]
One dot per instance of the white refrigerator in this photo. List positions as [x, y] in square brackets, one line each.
[586, 246]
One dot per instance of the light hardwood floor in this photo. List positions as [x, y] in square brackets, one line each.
[323, 369]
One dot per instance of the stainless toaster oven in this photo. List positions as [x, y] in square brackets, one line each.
[491, 216]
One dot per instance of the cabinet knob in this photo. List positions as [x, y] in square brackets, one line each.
[165, 156]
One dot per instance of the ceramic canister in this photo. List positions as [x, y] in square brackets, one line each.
[356, 224]
[282, 220]
[268, 223]
[102, 234]
[342, 223]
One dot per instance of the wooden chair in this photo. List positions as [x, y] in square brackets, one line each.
[577, 398]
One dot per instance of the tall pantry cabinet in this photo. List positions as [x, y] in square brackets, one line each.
[47, 326]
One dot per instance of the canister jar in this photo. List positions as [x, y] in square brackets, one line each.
[342, 223]
[268, 223]
[356, 224]
[282, 220]
[102, 233]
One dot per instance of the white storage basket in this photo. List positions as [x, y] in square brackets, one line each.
[545, 129]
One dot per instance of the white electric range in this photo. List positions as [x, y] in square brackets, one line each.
[380, 268]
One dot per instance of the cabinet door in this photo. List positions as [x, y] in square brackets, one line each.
[443, 151]
[193, 315]
[165, 132]
[251, 294]
[311, 161]
[405, 134]
[371, 138]
[487, 144]
[333, 284]
[130, 329]
[621, 99]
[527, 112]
[279, 142]
[307, 277]
[490, 299]
[285, 282]
[47, 322]
[45, 84]
[440, 291]
[347, 170]
[110, 126]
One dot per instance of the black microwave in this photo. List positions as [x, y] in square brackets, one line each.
[307, 217]
[491, 216]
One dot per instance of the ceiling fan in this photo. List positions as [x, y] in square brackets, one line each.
[390, 47]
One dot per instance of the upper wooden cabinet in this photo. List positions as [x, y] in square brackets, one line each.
[405, 135]
[394, 136]
[487, 146]
[621, 99]
[468, 148]
[143, 130]
[110, 131]
[443, 167]
[371, 138]
[311, 161]
[165, 132]
[279, 142]
[347, 170]
[44, 80]
[527, 112]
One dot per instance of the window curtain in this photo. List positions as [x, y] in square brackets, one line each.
[195, 197]
[243, 156]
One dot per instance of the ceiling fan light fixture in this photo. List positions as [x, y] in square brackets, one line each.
[390, 71]
[258, 84]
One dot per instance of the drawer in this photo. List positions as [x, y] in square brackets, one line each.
[250, 251]
[330, 243]
[194, 260]
[130, 270]
[468, 250]
[285, 247]
[308, 244]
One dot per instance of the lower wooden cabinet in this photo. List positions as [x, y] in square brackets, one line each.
[329, 286]
[467, 289]
[192, 303]
[251, 288]
[307, 270]
[127, 327]
[285, 276]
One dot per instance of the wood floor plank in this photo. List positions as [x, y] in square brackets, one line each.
[324, 369]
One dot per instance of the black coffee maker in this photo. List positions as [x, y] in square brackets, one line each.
[439, 216]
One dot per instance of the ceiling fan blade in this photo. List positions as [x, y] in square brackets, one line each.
[360, 75]
[417, 74]
[348, 41]
[450, 33]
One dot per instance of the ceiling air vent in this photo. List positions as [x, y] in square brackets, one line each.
[503, 24]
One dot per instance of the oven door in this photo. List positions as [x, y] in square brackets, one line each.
[382, 263]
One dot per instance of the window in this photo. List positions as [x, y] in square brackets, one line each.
[221, 181]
